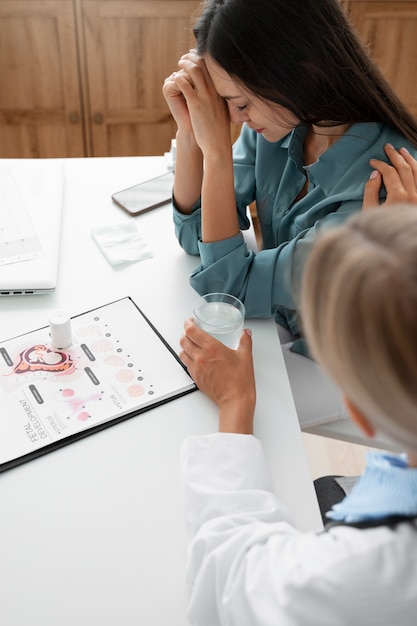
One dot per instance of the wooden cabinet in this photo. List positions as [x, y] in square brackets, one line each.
[390, 28]
[40, 96]
[84, 77]
[130, 47]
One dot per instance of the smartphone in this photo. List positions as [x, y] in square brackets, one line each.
[145, 196]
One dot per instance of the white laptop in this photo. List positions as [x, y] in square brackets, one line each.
[31, 200]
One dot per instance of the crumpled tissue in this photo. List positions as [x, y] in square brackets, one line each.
[121, 243]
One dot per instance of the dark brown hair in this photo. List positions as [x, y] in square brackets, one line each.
[303, 55]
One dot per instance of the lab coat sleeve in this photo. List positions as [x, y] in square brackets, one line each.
[248, 566]
[224, 508]
[245, 557]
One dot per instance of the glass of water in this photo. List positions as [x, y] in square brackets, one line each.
[222, 316]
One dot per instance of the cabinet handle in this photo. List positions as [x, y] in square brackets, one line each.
[98, 118]
[74, 117]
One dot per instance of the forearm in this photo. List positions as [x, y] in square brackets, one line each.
[188, 172]
[219, 215]
[206, 124]
[236, 416]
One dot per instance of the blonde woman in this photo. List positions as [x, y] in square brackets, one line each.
[247, 564]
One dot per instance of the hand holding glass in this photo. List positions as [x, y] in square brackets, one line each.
[222, 316]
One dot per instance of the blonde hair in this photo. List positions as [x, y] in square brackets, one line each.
[359, 312]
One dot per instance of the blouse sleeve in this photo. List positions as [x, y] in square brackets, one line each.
[268, 279]
[188, 226]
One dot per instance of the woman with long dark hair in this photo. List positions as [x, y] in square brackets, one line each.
[315, 109]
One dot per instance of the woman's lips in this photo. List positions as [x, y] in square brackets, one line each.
[257, 130]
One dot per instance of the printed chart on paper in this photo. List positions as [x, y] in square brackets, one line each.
[18, 240]
[117, 365]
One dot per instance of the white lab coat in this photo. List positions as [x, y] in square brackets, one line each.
[247, 565]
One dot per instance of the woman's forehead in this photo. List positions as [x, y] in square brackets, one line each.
[225, 85]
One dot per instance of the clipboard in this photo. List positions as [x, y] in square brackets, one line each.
[117, 367]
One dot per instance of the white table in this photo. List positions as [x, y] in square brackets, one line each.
[346, 430]
[93, 534]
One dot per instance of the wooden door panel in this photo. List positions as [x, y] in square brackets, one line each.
[40, 105]
[131, 46]
[390, 28]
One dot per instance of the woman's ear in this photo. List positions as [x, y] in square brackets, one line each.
[359, 419]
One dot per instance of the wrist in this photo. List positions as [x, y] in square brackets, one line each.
[219, 156]
[237, 417]
[186, 139]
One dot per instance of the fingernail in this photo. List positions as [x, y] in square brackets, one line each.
[248, 332]
[373, 175]
[404, 150]
[389, 145]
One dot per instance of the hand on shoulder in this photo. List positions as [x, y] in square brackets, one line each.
[399, 179]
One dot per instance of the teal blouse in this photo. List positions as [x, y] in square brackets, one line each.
[273, 174]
